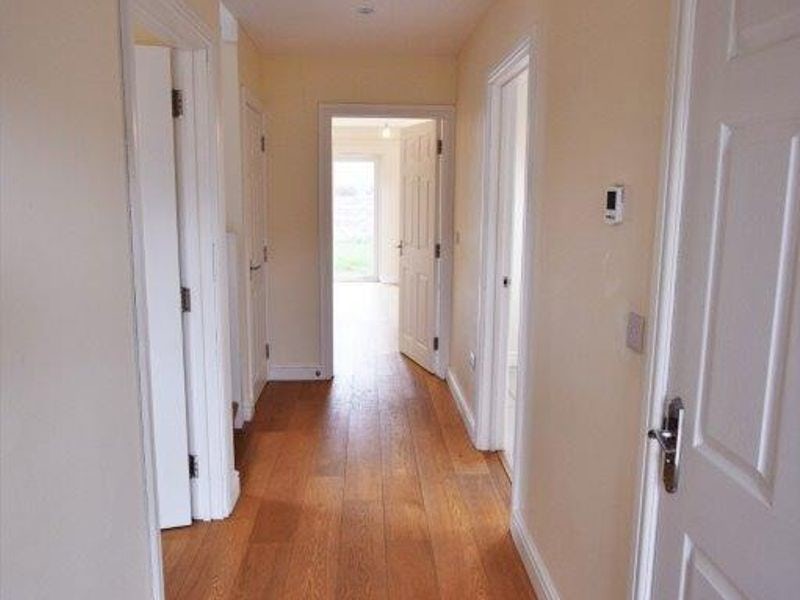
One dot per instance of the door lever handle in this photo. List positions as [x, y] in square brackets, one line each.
[254, 268]
[669, 438]
[665, 439]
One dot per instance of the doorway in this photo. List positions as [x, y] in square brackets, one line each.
[374, 196]
[386, 227]
[254, 224]
[178, 241]
[506, 243]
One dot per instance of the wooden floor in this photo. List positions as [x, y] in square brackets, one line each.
[365, 487]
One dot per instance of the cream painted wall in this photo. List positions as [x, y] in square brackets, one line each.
[208, 10]
[251, 64]
[295, 86]
[350, 141]
[144, 37]
[601, 73]
[72, 503]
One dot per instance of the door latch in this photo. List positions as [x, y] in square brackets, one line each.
[669, 438]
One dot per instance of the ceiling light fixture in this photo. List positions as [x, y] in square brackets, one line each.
[386, 132]
[365, 9]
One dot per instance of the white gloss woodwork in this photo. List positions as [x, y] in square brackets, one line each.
[157, 181]
[732, 530]
[418, 233]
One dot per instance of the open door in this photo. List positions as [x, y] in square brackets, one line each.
[255, 205]
[156, 162]
[418, 244]
[511, 193]
[729, 505]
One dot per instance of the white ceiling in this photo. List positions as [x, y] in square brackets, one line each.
[419, 27]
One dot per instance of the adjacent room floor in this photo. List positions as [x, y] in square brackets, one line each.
[364, 487]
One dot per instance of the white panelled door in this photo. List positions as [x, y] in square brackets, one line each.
[513, 122]
[732, 528]
[156, 156]
[418, 243]
[256, 226]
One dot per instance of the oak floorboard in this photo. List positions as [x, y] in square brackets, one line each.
[179, 548]
[458, 561]
[366, 487]
[409, 551]
[362, 552]
[314, 559]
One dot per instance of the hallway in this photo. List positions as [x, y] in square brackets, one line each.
[364, 487]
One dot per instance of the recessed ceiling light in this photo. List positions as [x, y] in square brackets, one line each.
[365, 9]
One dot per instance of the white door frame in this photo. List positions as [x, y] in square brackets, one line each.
[210, 418]
[487, 424]
[375, 159]
[250, 397]
[662, 301]
[445, 118]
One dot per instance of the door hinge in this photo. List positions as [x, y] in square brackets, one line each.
[438, 251]
[194, 468]
[177, 103]
[435, 344]
[439, 147]
[263, 144]
[186, 300]
[265, 251]
[266, 351]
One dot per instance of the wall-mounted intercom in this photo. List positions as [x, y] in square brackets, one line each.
[614, 204]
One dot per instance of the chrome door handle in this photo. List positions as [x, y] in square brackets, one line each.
[256, 268]
[669, 438]
[665, 439]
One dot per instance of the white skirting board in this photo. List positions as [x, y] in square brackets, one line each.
[234, 489]
[461, 404]
[295, 373]
[532, 559]
[246, 413]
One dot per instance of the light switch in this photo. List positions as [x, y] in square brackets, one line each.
[634, 337]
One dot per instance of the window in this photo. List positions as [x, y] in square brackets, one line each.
[354, 220]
